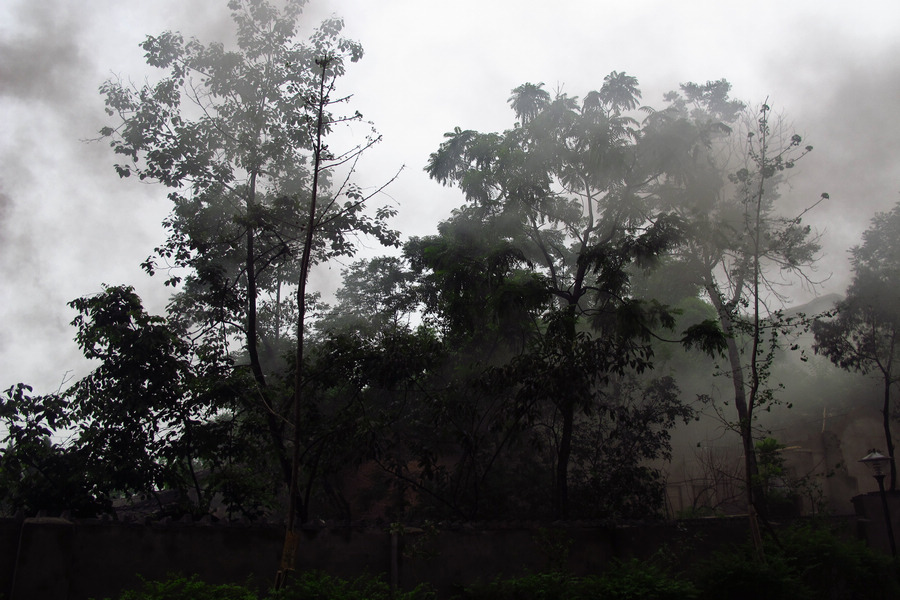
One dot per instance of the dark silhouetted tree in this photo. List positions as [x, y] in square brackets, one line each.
[155, 414]
[864, 336]
[240, 138]
[233, 134]
[574, 189]
[738, 241]
[528, 100]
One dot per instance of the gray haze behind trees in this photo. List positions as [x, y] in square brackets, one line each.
[800, 198]
[67, 223]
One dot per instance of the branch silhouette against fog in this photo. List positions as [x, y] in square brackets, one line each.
[863, 332]
[237, 136]
[583, 181]
[736, 240]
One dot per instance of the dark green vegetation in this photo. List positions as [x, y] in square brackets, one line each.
[864, 335]
[624, 581]
[805, 563]
[520, 362]
[306, 586]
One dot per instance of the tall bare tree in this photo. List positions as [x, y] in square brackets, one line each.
[740, 242]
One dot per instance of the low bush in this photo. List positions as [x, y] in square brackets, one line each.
[311, 585]
[632, 580]
[636, 580]
[540, 586]
[805, 562]
[176, 587]
[736, 574]
[315, 585]
[834, 568]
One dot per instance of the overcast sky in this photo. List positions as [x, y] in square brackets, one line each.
[69, 224]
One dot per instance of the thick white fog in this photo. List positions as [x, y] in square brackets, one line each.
[69, 224]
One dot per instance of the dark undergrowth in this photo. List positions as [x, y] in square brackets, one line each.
[804, 563]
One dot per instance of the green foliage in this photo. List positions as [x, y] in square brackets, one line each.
[309, 585]
[833, 567]
[770, 460]
[638, 580]
[176, 587]
[627, 430]
[133, 410]
[736, 238]
[555, 544]
[312, 586]
[781, 491]
[239, 172]
[474, 283]
[864, 336]
[739, 575]
[528, 100]
[541, 586]
[38, 471]
[806, 562]
[631, 580]
[155, 414]
[237, 135]
[579, 195]
[491, 397]
[376, 294]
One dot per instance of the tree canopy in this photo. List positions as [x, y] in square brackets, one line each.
[579, 192]
[864, 335]
[501, 367]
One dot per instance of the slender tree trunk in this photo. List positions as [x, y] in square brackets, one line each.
[252, 325]
[291, 541]
[567, 406]
[886, 421]
[757, 491]
[275, 430]
[564, 453]
[754, 491]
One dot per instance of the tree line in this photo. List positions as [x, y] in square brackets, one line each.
[506, 366]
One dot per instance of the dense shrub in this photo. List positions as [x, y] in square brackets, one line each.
[636, 580]
[304, 586]
[541, 586]
[633, 580]
[187, 588]
[316, 585]
[805, 562]
[737, 575]
[836, 569]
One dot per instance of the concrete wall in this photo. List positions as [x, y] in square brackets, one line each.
[871, 520]
[61, 559]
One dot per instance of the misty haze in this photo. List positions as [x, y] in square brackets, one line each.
[406, 271]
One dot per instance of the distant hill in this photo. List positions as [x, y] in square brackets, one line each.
[815, 306]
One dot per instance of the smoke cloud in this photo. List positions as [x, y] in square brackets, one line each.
[68, 224]
[42, 60]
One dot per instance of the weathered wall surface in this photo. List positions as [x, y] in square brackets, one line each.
[58, 558]
[871, 520]
[61, 559]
